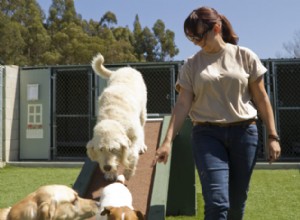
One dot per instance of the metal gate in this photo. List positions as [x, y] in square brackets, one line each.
[72, 111]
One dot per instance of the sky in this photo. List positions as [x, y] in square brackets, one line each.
[262, 25]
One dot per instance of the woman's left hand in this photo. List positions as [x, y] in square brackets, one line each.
[274, 150]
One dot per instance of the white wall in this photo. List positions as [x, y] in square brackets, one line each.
[11, 113]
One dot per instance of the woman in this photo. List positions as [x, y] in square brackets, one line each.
[221, 87]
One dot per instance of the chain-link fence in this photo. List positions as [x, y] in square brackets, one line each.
[286, 78]
[159, 82]
[75, 94]
[72, 106]
[76, 90]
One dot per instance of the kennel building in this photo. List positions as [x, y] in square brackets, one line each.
[49, 112]
[58, 106]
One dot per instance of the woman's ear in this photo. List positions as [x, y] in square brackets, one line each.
[217, 28]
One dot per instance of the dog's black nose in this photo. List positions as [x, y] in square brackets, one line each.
[107, 167]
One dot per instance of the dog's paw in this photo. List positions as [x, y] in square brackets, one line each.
[110, 176]
[143, 149]
[128, 173]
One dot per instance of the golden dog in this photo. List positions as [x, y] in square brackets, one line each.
[118, 137]
[51, 202]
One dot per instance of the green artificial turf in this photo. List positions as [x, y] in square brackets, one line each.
[17, 182]
[273, 195]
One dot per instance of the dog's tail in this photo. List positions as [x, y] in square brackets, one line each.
[99, 68]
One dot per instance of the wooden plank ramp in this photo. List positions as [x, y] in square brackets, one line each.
[149, 186]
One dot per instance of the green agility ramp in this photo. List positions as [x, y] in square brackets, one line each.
[171, 186]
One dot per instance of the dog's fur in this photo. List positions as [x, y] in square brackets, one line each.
[4, 213]
[52, 202]
[119, 133]
[116, 202]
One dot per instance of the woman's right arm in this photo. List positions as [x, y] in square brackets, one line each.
[179, 114]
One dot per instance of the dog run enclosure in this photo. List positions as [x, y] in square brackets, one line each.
[68, 98]
[58, 106]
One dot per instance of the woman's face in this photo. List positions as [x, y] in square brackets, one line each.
[202, 34]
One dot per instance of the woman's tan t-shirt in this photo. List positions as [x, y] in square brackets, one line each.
[220, 82]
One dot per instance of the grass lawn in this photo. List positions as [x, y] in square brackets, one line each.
[274, 194]
[17, 182]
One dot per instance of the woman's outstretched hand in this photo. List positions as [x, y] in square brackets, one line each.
[162, 154]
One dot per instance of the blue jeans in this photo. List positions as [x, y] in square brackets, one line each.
[225, 158]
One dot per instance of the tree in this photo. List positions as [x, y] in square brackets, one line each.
[65, 38]
[108, 20]
[166, 48]
[36, 37]
[149, 45]
[12, 43]
[169, 45]
[69, 42]
[90, 27]
[138, 39]
[61, 14]
[27, 17]
[293, 48]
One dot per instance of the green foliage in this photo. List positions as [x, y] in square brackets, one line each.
[108, 19]
[11, 34]
[27, 37]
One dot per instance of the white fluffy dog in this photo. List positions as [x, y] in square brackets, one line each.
[116, 202]
[119, 133]
[55, 202]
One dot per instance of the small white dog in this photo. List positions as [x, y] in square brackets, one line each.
[55, 202]
[119, 133]
[116, 202]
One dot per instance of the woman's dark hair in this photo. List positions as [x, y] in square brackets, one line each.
[208, 17]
